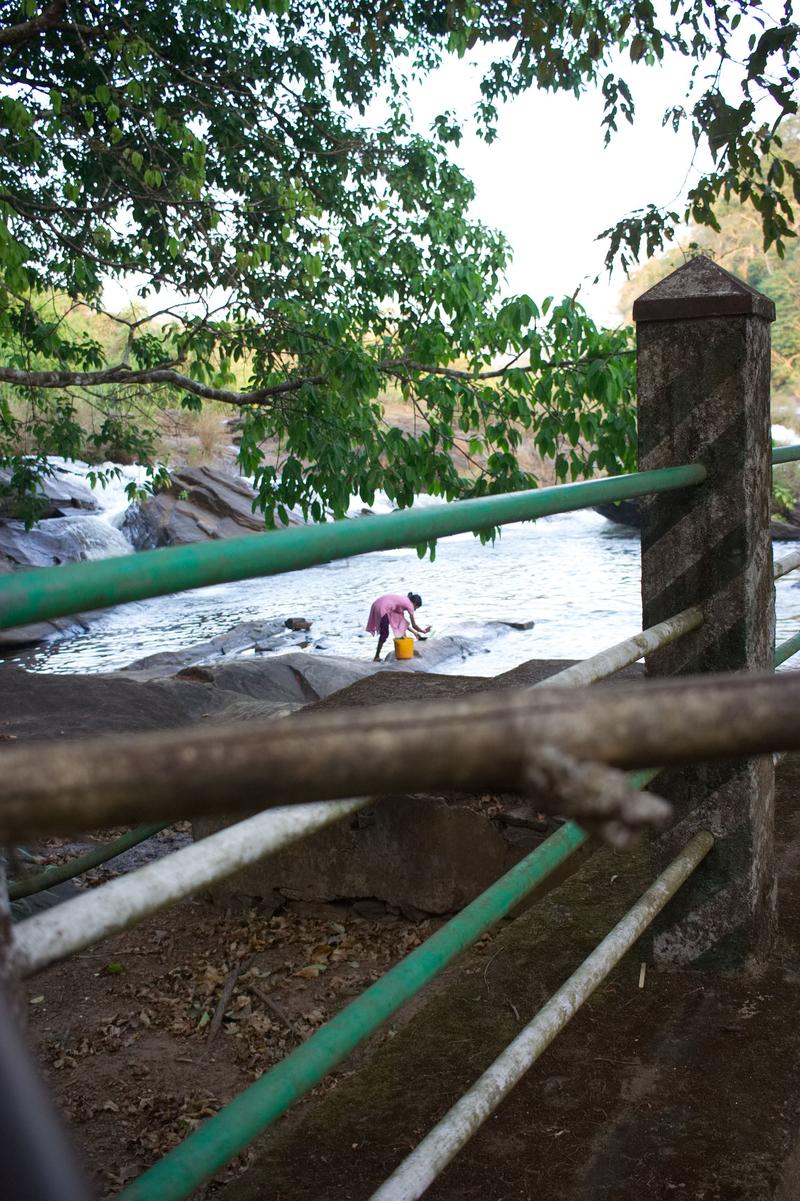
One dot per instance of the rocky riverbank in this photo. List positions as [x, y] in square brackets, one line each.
[201, 504]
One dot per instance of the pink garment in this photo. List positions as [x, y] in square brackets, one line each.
[394, 607]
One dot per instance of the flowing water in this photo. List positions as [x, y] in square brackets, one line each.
[575, 575]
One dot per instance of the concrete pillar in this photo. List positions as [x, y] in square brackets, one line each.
[10, 987]
[703, 342]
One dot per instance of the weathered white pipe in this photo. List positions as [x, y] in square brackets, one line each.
[430, 1158]
[84, 920]
[609, 661]
[787, 564]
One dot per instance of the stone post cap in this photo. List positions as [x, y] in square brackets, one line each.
[701, 288]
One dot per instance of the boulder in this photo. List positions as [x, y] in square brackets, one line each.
[622, 512]
[37, 705]
[261, 635]
[297, 623]
[295, 678]
[62, 492]
[321, 674]
[428, 656]
[785, 525]
[60, 540]
[50, 543]
[512, 625]
[431, 853]
[202, 503]
[41, 631]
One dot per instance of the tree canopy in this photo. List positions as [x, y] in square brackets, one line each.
[254, 167]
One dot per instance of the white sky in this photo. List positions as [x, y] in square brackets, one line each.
[551, 186]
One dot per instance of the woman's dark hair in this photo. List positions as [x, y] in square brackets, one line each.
[415, 599]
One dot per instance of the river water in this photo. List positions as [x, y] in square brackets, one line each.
[575, 575]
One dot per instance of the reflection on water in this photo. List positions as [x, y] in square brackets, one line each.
[576, 575]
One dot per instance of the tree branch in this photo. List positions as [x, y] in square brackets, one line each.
[121, 374]
[154, 375]
[15, 35]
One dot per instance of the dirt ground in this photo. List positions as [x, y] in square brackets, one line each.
[668, 1084]
[142, 1038]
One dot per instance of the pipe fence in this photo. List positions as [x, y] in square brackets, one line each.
[684, 565]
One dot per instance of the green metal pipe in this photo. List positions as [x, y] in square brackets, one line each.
[786, 649]
[77, 587]
[224, 1136]
[785, 454]
[429, 1159]
[643, 776]
[83, 863]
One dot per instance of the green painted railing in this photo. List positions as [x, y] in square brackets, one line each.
[26, 886]
[786, 649]
[57, 592]
[77, 587]
[224, 1136]
[785, 454]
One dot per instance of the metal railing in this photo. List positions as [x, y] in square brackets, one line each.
[225, 1136]
[435, 1152]
[34, 882]
[48, 593]
[77, 587]
[206, 1151]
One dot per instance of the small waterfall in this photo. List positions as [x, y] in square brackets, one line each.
[87, 531]
[112, 500]
[62, 540]
[93, 535]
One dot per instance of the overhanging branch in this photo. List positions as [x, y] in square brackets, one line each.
[16, 35]
[397, 368]
[156, 375]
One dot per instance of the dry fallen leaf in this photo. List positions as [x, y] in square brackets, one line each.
[311, 970]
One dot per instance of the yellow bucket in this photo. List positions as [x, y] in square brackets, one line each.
[404, 648]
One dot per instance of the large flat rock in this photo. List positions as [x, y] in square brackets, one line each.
[38, 705]
[418, 853]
